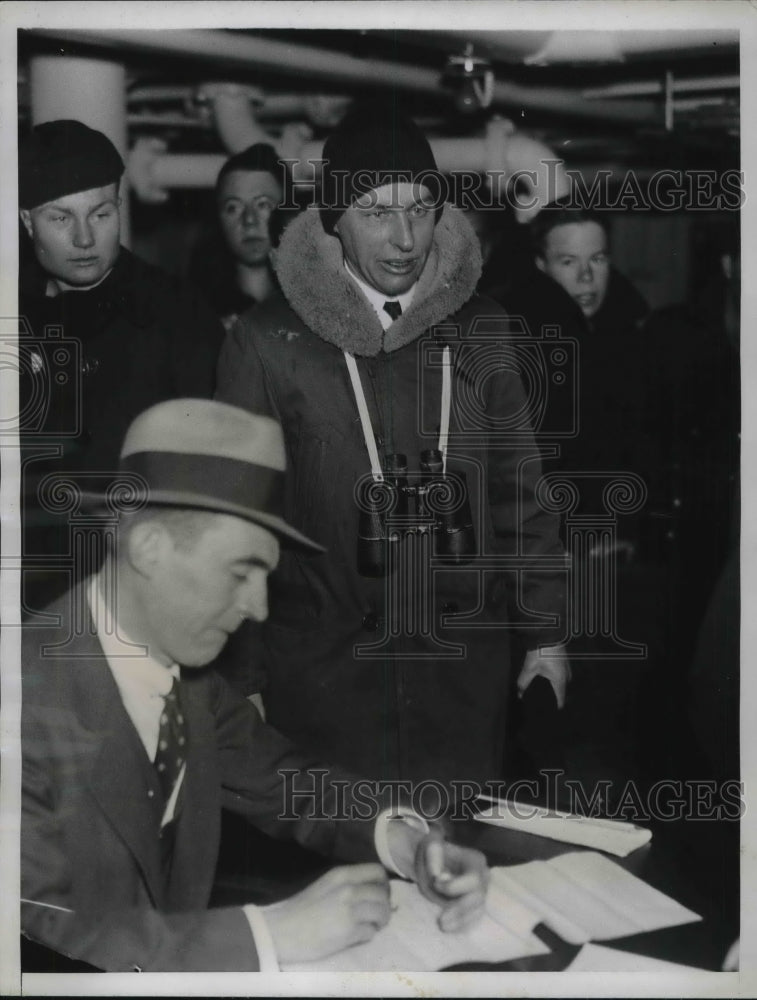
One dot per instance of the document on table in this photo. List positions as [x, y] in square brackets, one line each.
[583, 896]
[412, 941]
[612, 836]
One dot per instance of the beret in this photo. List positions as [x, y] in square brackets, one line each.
[63, 157]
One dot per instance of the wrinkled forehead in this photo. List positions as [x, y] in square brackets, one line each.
[397, 195]
[249, 184]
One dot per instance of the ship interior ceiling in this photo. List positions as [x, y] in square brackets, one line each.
[607, 103]
[640, 98]
[602, 100]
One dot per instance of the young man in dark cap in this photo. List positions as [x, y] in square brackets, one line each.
[231, 266]
[105, 335]
[377, 352]
[130, 747]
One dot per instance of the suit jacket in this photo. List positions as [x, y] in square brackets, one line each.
[91, 858]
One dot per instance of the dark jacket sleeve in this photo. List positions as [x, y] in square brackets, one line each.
[136, 936]
[524, 526]
[288, 793]
[240, 381]
[240, 378]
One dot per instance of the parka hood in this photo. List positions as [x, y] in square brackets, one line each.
[310, 268]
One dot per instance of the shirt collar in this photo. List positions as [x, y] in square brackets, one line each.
[377, 299]
[130, 663]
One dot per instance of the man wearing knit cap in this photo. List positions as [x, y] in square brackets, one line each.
[391, 652]
[231, 265]
[106, 334]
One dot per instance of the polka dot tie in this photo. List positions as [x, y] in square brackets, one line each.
[171, 752]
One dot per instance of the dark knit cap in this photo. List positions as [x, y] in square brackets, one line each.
[371, 147]
[259, 156]
[64, 157]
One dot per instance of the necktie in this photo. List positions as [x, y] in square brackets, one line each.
[171, 752]
[393, 308]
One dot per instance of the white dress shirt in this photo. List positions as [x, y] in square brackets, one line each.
[377, 299]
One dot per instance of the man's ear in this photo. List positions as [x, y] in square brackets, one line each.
[26, 218]
[148, 545]
[540, 263]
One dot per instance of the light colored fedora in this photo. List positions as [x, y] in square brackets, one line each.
[211, 456]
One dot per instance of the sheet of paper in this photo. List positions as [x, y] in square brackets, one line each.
[413, 942]
[584, 896]
[597, 958]
[609, 835]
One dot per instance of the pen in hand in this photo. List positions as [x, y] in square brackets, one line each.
[435, 863]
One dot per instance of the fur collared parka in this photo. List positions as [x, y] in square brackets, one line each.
[406, 676]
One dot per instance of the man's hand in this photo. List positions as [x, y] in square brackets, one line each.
[345, 906]
[551, 663]
[454, 877]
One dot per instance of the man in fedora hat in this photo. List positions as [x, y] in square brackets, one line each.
[403, 674]
[106, 335]
[131, 748]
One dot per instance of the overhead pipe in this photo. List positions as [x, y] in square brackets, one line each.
[232, 107]
[319, 109]
[644, 88]
[583, 46]
[226, 48]
[501, 153]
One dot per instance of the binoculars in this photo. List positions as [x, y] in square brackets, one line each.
[438, 503]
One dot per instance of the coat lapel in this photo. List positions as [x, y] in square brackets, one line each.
[122, 776]
[122, 780]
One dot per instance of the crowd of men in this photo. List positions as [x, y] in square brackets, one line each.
[334, 411]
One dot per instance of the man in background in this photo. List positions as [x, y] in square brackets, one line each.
[104, 335]
[231, 266]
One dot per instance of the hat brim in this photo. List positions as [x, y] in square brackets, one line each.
[181, 498]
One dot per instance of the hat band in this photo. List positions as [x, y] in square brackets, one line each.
[214, 478]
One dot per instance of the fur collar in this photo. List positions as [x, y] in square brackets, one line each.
[310, 269]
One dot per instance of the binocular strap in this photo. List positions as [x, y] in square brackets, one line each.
[365, 418]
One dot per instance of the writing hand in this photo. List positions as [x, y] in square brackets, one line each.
[345, 906]
[454, 877]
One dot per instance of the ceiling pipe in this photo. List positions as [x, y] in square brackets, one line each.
[320, 109]
[583, 46]
[646, 88]
[244, 51]
[233, 108]
[502, 153]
